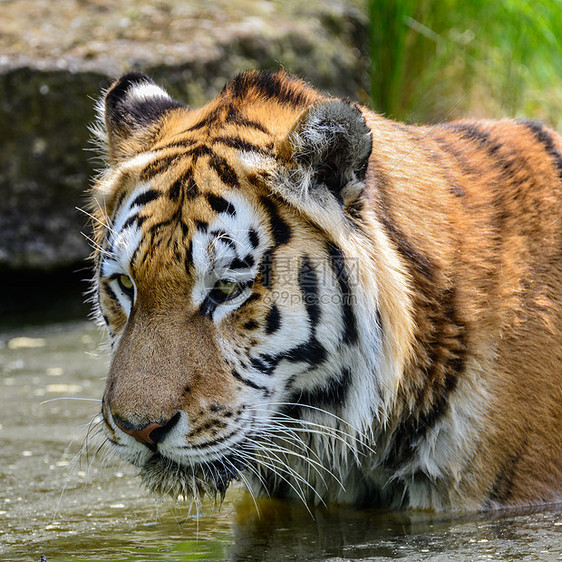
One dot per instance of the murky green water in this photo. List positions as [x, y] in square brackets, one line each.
[92, 508]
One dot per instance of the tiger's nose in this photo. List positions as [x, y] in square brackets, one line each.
[150, 434]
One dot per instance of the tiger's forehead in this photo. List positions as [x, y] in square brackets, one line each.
[202, 152]
[248, 108]
[203, 178]
[190, 214]
[248, 121]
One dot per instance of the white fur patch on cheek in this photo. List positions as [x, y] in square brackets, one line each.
[125, 236]
[125, 246]
[202, 266]
[294, 329]
[330, 299]
[129, 209]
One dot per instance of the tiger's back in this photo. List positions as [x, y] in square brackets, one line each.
[397, 308]
[478, 230]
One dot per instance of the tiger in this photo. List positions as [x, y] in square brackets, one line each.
[322, 303]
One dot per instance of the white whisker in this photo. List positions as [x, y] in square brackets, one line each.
[69, 398]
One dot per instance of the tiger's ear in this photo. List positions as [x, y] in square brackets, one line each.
[129, 112]
[329, 149]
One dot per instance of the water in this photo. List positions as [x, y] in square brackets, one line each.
[54, 505]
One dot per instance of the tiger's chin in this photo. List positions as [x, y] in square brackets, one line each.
[166, 477]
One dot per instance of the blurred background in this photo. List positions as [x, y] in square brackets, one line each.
[413, 60]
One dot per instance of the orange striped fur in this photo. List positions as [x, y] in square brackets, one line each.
[285, 274]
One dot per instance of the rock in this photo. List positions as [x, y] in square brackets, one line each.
[58, 56]
[44, 168]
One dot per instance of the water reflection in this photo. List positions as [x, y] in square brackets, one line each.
[335, 533]
[92, 508]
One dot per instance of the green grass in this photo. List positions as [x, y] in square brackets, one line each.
[434, 60]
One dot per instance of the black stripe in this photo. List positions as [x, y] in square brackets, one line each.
[146, 197]
[312, 352]
[308, 283]
[281, 231]
[185, 143]
[177, 253]
[254, 238]
[253, 297]
[234, 116]
[250, 383]
[153, 232]
[471, 132]
[458, 155]
[184, 227]
[237, 263]
[543, 136]
[109, 291]
[240, 144]
[175, 191]
[224, 170]
[220, 204]
[246, 263]
[251, 325]
[189, 257]
[446, 349]
[212, 117]
[420, 263]
[270, 86]
[190, 190]
[213, 442]
[134, 219]
[337, 261]
[201, 226]
[198, 151]
[329, 396]
[265, 364]
[120, 201]
[156, 227]
[184, 186]
[158, 166]
[436, 156]
[503, 485]
[135, 253]
[272, 320]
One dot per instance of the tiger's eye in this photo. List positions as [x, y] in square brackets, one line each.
[126, 284]
[126, 281]
[226, 287]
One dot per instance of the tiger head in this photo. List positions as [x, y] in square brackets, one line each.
[243, 325]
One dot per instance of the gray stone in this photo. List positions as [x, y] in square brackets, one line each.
[46, 105]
